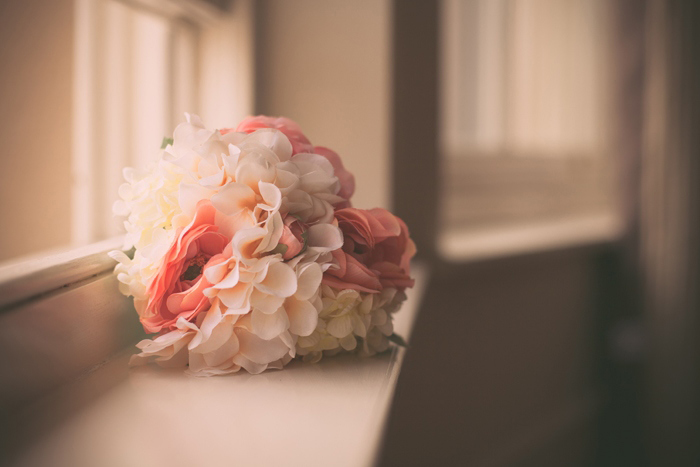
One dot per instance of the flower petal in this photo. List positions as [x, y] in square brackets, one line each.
[223, 352]
[271, 195]
[309, 280]
[265, 303]
[325, 237]
[340, 326]
[280, 280]
[268, 326]
[233, 198]
[259, 350]
[303, 316]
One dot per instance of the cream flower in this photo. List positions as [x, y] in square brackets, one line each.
[349, 318]
[149, 200]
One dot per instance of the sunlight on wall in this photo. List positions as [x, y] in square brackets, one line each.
[333, 78]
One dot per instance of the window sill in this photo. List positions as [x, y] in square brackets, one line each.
[71, 400]
[463, 245]
[30, 277]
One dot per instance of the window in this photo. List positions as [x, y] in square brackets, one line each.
[139, 66]
[525, 118]
[93, 86]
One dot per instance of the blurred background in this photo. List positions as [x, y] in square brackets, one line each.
[544, 153]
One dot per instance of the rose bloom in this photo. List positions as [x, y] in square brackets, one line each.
[376, 252]
[292, 237]
[176, 291]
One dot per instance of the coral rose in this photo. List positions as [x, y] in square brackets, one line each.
[376, 252]
[176, 291]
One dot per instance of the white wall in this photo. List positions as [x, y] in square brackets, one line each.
[327, 66]
[35, 125]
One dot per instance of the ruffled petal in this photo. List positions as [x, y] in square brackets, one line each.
[280, 281]
[303, 316]
[259, 350]
[269, 325]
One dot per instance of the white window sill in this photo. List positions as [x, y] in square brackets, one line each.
[28, 277]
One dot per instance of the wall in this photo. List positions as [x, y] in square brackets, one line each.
[501, 367]
[326, 65]
[35, 95]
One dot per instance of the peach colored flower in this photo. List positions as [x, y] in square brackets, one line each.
[177, 288]
[290, 128]
[301, 144]
[376, 252]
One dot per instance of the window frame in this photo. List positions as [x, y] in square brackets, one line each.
[460, 239]
[221, 92]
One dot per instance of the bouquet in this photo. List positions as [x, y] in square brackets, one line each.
[247, 252]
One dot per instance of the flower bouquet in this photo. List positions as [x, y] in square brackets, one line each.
[248, 252]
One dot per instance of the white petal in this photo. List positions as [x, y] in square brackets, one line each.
[243, 239]
[348, 342]
[309, 280]
[340, 326]
[237, 297]
[229, 225]
[251, 173]
[231, 279]
[268, 326]
[119, 256]
[286, 181]
[358, 326]
[223, 353]
[303, 316]
[379, 317]
[249, 365]
[233, 198]
[314, 160]
[189, 195]
[209, 323]
[280, 280]
[214, 181]
[290, 342]
[217, 272]
[271, 195]
[231, 160]
[325, 237]
[200, 367]
[177, 360]
[274, 227]
[275, 140]
[217, 337]
[266, 303]
[259, 350]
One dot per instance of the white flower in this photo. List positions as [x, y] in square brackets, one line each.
[150, 202]
[349, 317]
[219, 343]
